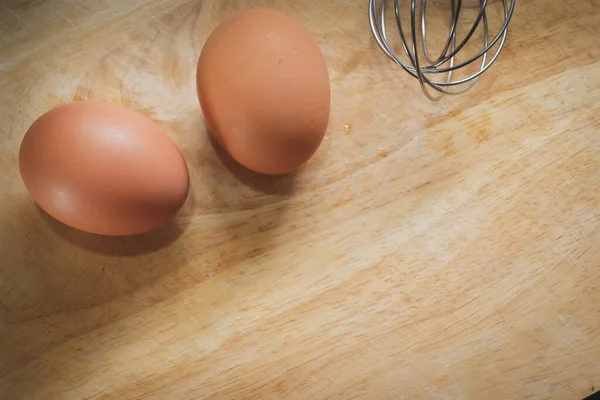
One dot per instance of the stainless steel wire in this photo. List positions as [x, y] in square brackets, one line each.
[421, 64]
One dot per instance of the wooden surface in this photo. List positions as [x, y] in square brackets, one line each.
[463, 264]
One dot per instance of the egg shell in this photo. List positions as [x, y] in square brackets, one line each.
[264, 89]
[103, 169]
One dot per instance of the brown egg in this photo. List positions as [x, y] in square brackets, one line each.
[264, 90]
[103, 169]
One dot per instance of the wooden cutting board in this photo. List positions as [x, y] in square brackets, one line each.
[443, 250]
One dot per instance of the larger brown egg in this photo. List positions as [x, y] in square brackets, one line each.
[264, 90]
[103, 169]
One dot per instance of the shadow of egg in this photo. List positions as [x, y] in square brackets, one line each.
[47, 267]
[130, 245]
[267, 184]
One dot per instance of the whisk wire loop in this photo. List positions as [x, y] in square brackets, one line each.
[425, 67]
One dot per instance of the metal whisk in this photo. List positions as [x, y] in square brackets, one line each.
[420, 63]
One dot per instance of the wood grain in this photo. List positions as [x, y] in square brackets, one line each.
[444, 250]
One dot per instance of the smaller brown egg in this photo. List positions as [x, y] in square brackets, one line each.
[103, 169]
[264, 90]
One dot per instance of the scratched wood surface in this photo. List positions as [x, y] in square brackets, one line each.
[444, 250]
